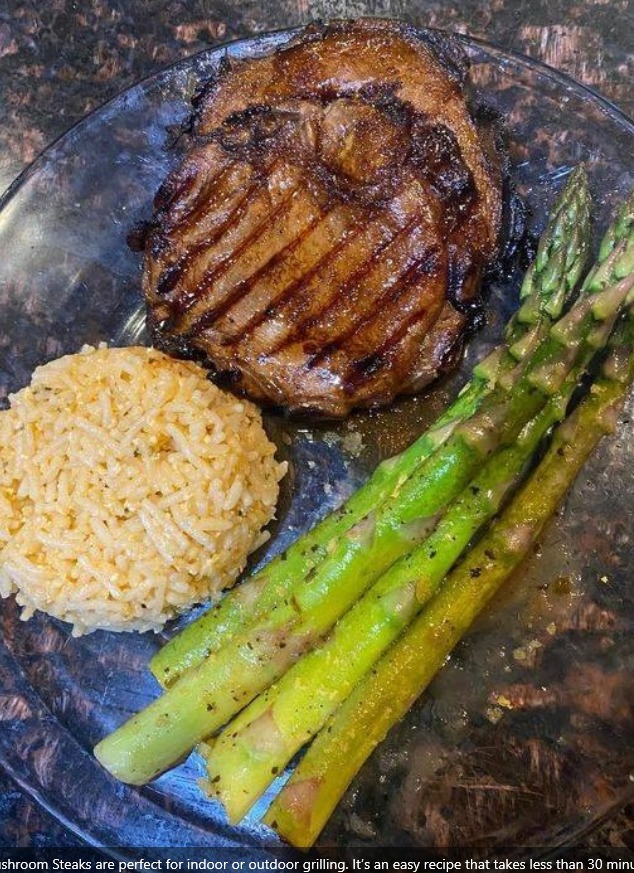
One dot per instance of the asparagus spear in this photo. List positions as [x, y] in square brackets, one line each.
[561, 257]
[262, 739]
[205, 698]
[304, 805]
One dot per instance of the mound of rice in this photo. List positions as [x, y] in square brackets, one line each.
[130, 488]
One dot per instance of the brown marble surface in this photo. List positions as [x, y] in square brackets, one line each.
[60, 59]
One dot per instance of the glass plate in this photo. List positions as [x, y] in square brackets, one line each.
[557, 645]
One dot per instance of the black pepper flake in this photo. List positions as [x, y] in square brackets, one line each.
[560, 451]
[475, 572]
[275, 770]
[475, 489]
[490, 554]
[210, 707]
[432, 553]
[215, 779]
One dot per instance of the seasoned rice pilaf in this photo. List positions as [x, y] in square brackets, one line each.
[130, 488]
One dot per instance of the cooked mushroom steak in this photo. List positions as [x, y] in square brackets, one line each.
[323, 240]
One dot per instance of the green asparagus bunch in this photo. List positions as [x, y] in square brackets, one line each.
[382, 698]
[205, 698]
[560, 260]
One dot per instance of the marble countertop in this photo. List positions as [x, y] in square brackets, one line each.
[61, 59]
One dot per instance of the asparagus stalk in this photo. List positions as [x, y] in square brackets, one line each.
[305, 804]
[205, 698]
[262, 739]
[560, 260]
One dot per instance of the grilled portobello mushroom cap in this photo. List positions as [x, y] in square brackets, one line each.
[322, 242]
